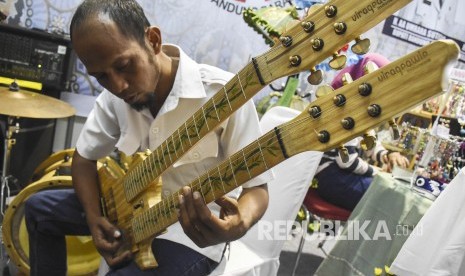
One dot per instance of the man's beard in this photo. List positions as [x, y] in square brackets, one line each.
[148, 103]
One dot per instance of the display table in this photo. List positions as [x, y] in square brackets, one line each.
[376, 229]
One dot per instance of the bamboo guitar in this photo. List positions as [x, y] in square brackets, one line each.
[326, 124]
[126, 196]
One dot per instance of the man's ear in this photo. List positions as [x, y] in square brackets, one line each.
[154, 36]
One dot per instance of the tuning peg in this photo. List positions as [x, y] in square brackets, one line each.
[317, 44]
[340, 28]
[394, 130]
[286, 40]
[308, 26]
[361, 46]
[348, 123]
[368, 141]
[324, 136]
[330, 11]
[370, 67]
[295, 60]
[323, 90]
[315, 111]
[343, 154]
[339, 100]
[346, 78]
[315, 77]
[338, 61]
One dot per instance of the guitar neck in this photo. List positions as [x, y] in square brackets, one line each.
[319, 36]
[320, 127]
[240, 89]
[251, 161]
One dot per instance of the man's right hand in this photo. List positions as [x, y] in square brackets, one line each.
[109, 242]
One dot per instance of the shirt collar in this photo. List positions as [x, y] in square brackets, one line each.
[187, 83]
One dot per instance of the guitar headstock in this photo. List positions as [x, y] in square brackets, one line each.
[373, 99]
[321, 34]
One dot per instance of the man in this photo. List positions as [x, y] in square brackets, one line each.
[151, 89]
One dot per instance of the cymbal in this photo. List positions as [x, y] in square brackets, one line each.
[33, 105]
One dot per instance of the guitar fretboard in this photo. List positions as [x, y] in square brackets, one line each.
[242, 166]
[217, 109]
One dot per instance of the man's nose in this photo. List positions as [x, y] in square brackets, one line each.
[118, 83]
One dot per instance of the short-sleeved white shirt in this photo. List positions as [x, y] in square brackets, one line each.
[114, 124]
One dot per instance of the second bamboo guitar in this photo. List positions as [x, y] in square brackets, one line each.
[326, 124]
[301, 48]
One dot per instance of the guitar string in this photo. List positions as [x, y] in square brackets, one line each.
[199, 115]
[195, 186]
[291, 127]
[287, 129]
[298, 33]
[261, 61]
[295, 122]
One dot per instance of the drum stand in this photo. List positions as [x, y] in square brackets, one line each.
[5, 187]
[9, 142]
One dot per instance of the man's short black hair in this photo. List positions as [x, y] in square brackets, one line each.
[128, 16]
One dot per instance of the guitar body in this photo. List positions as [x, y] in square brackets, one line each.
[120, 212]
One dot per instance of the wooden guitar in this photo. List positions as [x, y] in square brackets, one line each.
[127, 198]
[326, 124]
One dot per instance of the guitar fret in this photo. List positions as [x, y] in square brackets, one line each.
[187, 133]
[143, 223]
[227, 98]
[153, 166]
[168, 151]
[157, 213]
[203, 193]
[163, 156]
[174, 146]
[170, 200]
[151, 225]
[210, 184]
[247, 166]
[147, 172]
[126, 186]
[180, 141]
[205, 118]
[159, 161]
[221, 179]
[175, 198]
[200, 185]
[261, 153]
[138, 179]
[232, 172]
[242, 88]
[195, 126]
[132, 184]
[144, 176]
[214, 107]
[163, 211]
